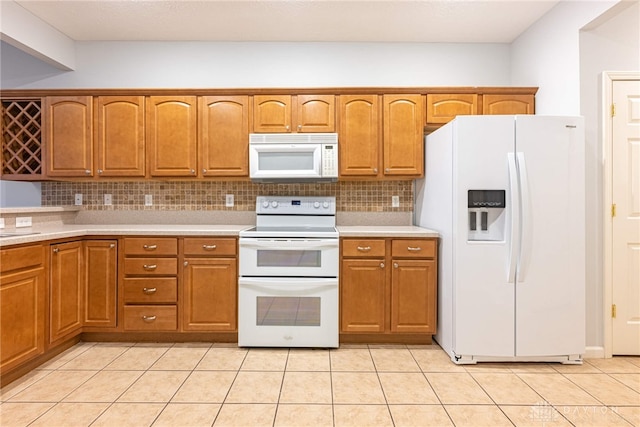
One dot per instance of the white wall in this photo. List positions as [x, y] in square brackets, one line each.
[15, 194]
[222, 65]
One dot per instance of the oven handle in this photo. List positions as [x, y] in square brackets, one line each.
[289, 245]
[288, 284]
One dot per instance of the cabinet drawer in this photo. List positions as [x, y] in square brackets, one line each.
[150, 246]
[151, 266]
[363, 248]
[203, 246]
[150, 318]
[17, 258]
[151, 290]
[416, 248]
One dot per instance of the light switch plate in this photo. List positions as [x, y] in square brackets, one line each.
[148, 200]
[78, 199]
[395, 201]
[23, 221]
[229, 202]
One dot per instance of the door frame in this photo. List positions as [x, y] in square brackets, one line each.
[608, 77]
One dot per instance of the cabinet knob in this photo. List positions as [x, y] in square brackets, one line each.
[87, 172]
[375, 170]
[395, 265]
[99, 171]
[204, 171]
[113, 245]
[149, 291]
[150, 266]
[287, 127]
[382, 265]
[193, 171]
[56, 250]
[150, 247]
[299, 127]
[149, 319]
[209, 247]
[386, 170]
[364, 248]
[186, 263]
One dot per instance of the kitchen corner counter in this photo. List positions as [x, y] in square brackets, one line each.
[410, 231]
[37, 234]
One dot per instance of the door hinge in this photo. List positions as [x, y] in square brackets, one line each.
[613, 311]
[613, 110]
[613, 210]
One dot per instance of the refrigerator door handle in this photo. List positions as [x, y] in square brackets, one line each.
[526, 222]
[514, 216]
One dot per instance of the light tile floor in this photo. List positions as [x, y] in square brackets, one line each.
[195, 384]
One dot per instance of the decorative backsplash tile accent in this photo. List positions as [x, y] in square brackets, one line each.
[351, 196]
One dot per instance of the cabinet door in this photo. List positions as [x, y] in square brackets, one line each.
[403, 135]
[316, 113]
[362, 295]
[413, 296]
[66, 290]
[508, 104]
[444, 107]
[272, 113]
[224, 135]
[22, 316]
[100, 260]
[68, 123]
[360, 133]
[120, 138]
[172, 135]
[210, 293]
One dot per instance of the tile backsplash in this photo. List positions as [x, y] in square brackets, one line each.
[351, 196]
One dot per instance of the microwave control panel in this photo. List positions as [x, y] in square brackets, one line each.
[329, 160]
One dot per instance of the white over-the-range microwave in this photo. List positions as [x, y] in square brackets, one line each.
[293, 157]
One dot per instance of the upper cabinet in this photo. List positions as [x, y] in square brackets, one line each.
[172, 136]
[120, 140]
[508, 104]
[223, 135]
[441, 108]
[360, 135]
[68, 136]
[403, 135]
[293, 113]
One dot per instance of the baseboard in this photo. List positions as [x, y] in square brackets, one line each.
[594, 353]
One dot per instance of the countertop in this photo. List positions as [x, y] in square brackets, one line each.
[81, 230]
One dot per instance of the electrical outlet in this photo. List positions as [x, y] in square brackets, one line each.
[107, 200]
[78, 199]
[395, 201]
[148, 200]
[23, 221]
[229, 201]
[1, 222]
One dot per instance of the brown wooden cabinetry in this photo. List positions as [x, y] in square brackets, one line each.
[172, 136]
[360, 135]
[149, 284]
[68, 136]
[403, 135]
[223, 135]
[23, 296]
[443, 107]
[209, 291]
[293, 113]
[120, 136]
[387, 287]
[101, 279]
[508, 104]
[66, 288]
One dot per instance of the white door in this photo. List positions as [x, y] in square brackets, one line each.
[626, 222]
[550, 290]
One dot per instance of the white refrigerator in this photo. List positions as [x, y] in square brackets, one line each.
[507, 195]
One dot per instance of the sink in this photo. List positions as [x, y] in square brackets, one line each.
[17, 234]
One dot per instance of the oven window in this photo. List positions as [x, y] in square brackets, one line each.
[289, 160]
[294, 258]
[288, 311]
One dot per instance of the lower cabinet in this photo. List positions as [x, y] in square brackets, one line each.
[66, 290]
[388, 286]
[210, 278]
[23, 291]
[100, 283]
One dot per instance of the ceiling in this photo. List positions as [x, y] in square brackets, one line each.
[432, 21]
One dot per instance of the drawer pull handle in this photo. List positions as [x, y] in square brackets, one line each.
[364, 248]
[150, 247]
[148, 319]
[149, 291]
[409, 248]
[150, 267]
[208, 247]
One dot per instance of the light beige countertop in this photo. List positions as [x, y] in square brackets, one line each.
[410, 231]
[42, 233]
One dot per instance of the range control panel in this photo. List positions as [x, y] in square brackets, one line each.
[296, 205]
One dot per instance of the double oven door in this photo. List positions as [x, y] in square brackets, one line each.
[288, 292]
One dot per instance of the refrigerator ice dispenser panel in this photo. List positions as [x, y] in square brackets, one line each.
[486, 215]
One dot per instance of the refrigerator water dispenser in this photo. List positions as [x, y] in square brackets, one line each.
[486, 215]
